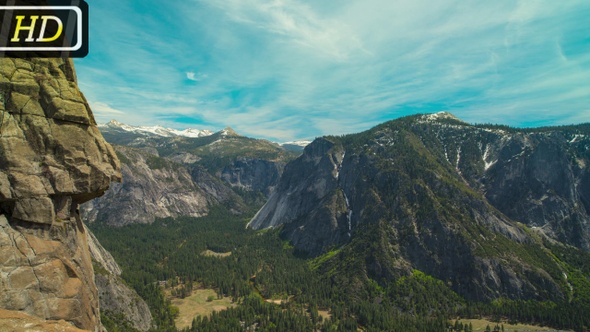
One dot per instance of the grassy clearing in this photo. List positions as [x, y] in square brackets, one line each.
[480, 325]
[326, 314]
[209, 253]
[197, 305]
[279, 299]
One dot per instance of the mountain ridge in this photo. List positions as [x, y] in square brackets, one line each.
[421, 219]
[155, 130]
[427, 181]
[161, 131]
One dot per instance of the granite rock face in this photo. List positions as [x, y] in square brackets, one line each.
[52, 158]
[115, 296]
[185, 176]
[309, 199]
[155, 187]
[15, 321]
[253, 174]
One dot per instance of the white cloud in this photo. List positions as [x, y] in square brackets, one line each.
[297, 23]
[195, 76]
[103, 109]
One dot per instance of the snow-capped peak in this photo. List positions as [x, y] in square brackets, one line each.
[440, 115]
[228, 131]
[297, 143]
[156, 130]
[191, 132]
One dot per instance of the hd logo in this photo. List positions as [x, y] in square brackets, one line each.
[43, 28]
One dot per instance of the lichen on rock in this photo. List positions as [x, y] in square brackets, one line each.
[52, 158]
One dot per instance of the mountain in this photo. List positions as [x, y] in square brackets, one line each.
[473, 206]
[115, 125]
[172, 176]
[120, 133]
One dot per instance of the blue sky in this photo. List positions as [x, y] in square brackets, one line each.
[288, 69]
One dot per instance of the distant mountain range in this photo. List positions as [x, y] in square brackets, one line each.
[115, 126]
[154, 130]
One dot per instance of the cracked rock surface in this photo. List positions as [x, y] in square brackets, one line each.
[20, 322]
[52, 158]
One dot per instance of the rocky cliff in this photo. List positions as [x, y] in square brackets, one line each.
[439, 195]
[115, 296]
[186, 176]
[257, 175]
[52, 158]
[156, 187]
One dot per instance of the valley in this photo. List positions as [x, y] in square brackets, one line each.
[417, 237]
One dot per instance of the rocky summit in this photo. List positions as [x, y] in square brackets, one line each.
[469, 205]
[52, 159]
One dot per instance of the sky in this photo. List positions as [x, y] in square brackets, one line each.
[288, 70]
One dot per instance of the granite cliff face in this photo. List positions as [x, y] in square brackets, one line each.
[253, 174]
[156, 187]
[185, 176]
[52, 158]
[450, 199]
[18, 321]
[115, 296]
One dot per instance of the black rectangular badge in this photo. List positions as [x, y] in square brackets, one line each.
[44, 28]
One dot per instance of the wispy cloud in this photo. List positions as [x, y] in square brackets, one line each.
[102, 110]
[294, 22]
[287, 69]
[195, 76]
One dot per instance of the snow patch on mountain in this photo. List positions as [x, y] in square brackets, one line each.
[439, 116]
[297, 143]
[156, 130]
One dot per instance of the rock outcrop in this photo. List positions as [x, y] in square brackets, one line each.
[52, 158]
